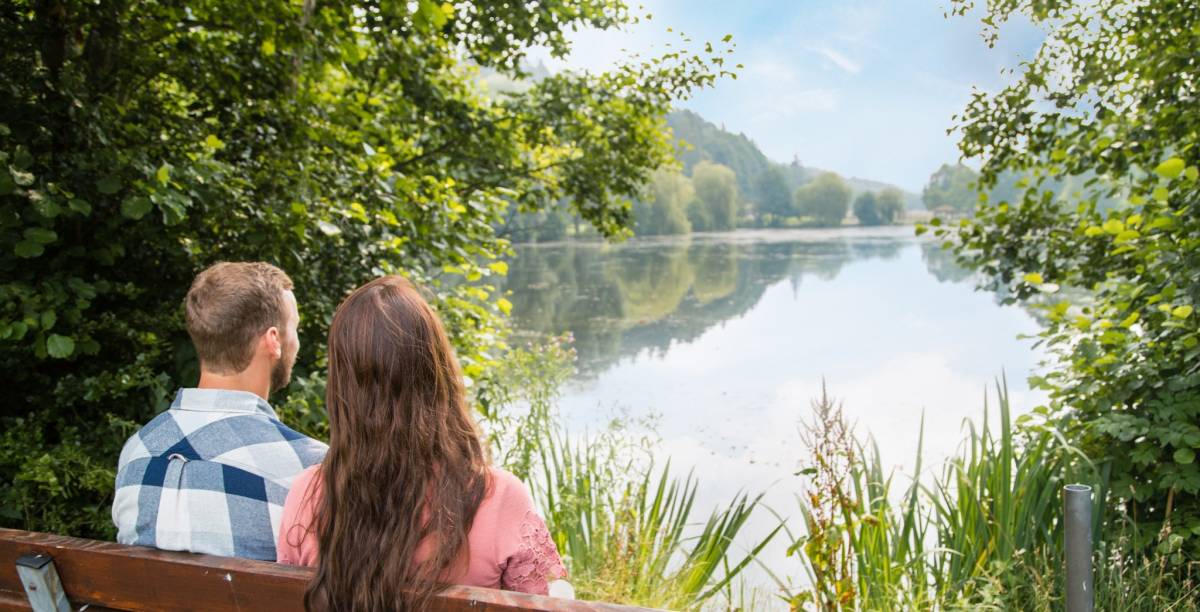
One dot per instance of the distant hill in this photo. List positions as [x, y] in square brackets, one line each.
[710, 142]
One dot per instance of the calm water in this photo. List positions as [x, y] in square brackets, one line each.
[727, 338]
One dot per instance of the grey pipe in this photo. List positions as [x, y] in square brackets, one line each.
[1077, 543]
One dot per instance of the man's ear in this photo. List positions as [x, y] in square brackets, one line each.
[274, 342]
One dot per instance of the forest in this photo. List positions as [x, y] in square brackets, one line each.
[723, 181]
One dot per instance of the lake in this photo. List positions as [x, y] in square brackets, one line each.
[726, 338]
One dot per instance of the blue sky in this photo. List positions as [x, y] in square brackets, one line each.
[866, 88]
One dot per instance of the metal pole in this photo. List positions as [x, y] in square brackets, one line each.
[1077, 543]
[42, 586]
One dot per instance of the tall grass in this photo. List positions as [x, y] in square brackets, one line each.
[984, 533]
[862, 547]
[999, 496]
[628, 530]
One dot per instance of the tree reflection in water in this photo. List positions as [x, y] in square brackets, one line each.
[619, 300]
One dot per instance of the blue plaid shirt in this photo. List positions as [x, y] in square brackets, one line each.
[210, 475]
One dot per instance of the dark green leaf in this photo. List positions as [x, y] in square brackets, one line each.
[60, 347]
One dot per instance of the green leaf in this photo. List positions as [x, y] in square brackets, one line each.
[23, 179]
[22, 159]
[504, 305]
[1094, 231]
[214, 143]
[1114, 226]
[44, 205]
[28, 249]
[1185, 456]
[1171, 168]
[1182, 312]
[49, 318]
[135, 207]
[1034, 278]
[41, 235]
[328, 228]
[60, 347]
[79, 206]
[268, 47]
[163, 174]
[1161, 195]
[1191, 173]
[499, 267]
[1162, 223]
[108, 185]
[7, 184]
[1127, 235]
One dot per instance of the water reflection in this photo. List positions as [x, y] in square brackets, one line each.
[647, 295]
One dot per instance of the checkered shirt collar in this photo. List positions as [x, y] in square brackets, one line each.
[222, 400]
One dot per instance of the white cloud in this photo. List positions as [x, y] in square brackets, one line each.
[839, 60]
[784, 105]
[790, 94]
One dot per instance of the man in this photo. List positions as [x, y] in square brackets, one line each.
[210, 474]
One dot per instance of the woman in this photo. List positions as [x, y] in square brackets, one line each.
[405, 502]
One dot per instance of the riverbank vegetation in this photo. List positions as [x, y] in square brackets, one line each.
[1120, 320]
[981, 532]
[722, 182]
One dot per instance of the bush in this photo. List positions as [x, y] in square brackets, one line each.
[144, 141]
[1113, 260]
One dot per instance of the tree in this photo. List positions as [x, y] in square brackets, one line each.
[866, 209]
[891, 205]
[826, 199]
[667, 211]
[1110, 94]
[708, 142]
[716, 192]
[952, 189]
[140, 142]
[772, 194]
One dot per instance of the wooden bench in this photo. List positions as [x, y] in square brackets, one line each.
[108, 576]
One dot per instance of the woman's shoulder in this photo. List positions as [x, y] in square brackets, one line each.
[301, 491]
[506, 492]
[503, 483]
[306, 476]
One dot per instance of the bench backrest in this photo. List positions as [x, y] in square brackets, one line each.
[113, 576]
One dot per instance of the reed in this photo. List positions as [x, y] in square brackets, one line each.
[628, 530]
[984, 533]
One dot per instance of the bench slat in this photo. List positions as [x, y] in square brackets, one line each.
[138, 578]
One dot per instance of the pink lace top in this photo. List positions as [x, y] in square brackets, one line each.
[509, 545]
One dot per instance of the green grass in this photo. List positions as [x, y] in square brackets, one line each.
[983, 534]
[629, 531]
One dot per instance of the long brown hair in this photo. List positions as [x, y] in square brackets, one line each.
[406, 468]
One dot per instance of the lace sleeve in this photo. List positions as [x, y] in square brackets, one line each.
[536, 562]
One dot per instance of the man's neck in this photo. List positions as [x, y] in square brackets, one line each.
[246, 381]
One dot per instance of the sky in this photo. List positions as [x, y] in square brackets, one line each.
[866, 88]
